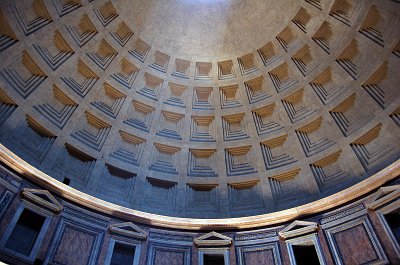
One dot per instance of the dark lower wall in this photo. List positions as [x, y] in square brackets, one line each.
[351, 234]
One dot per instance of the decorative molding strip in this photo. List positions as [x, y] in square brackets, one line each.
[298, 228]
[329, 202]
[360, 209]
[384, 196]
[43, 198]
[128, 229]
[213, 239]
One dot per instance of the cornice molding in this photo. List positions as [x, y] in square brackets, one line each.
[46, 182]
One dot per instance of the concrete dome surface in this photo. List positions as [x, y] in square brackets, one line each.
[202, 109]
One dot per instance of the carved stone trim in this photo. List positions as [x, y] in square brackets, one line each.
[383, 196]
[303, 227]
[34, 195]
[207, 241]
[214, 252]
[123, 229]
[246, 249]
[360, 189]
[364, 222]
[305, 240]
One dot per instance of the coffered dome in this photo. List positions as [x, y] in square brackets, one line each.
[202, 108]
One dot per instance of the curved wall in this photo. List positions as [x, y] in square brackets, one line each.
[357, 232]
[314, 111]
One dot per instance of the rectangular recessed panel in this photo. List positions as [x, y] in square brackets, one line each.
[25, 232]
[306, 255]
[214, 260]
[122, 254]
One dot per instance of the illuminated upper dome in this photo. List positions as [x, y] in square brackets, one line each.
[207, 30]
[202, 108]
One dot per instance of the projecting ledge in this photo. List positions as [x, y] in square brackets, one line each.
[373, 182]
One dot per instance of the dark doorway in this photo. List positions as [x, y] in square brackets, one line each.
[214, 259]
[305, 255]
[393, 220]
[25, 232]
[122, 254]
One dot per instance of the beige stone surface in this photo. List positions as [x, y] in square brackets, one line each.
[205, 109]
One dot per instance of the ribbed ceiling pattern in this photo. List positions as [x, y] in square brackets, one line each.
[314, 110]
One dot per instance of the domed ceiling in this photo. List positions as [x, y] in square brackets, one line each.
[207, 30]
[202, 108]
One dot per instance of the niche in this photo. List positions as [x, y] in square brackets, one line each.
[393, 221]
[386, 204]
[122, 254]
[25, 232]
[213, 259]
[213, 248]
[305, 255]
[213, 256]
[302, 243]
